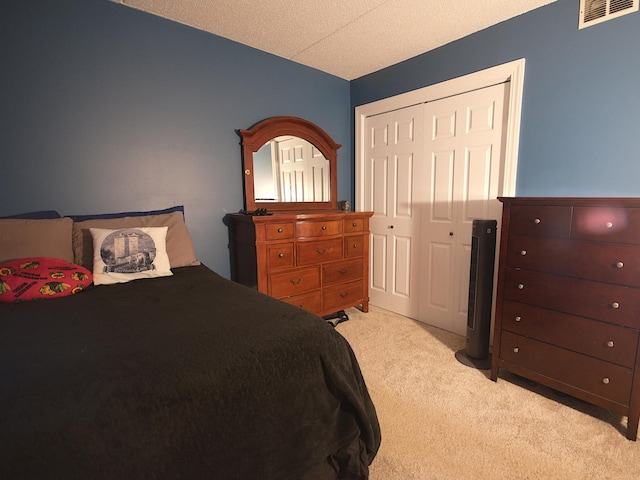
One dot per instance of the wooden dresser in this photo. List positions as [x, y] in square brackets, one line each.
[568, 298]
[317, 261]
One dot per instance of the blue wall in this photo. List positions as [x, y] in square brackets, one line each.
[581, 110]
[104, 108]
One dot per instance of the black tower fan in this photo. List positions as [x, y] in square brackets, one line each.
[483, 250]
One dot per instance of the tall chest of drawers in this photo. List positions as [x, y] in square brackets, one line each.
[568, 299]
[317, 261]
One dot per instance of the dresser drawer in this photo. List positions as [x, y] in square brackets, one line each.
[277, 231]
[353, 225]
[312, 302]
[280, 255]
[318, 229]
[598, 377]
[540, 220]
[294, 282]
[337, 297]
[601, 301]
[343, 271]
[606, 224]
[597, 339]
[320, 251]
[354, 245]
[612, 263]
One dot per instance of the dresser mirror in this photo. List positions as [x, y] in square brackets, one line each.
[289, 165]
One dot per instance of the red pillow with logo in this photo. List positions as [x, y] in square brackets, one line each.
[41, 277]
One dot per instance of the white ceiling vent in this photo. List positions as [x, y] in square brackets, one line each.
[596, 11]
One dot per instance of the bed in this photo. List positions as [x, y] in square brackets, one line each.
[179, 375]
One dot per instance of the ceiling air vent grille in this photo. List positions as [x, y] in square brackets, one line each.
[596, 11]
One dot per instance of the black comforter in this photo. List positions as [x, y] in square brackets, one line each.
[190, 376]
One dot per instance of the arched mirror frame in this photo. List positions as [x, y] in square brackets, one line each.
[262, 132]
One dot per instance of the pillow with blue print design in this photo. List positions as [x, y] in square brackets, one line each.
[178, 242]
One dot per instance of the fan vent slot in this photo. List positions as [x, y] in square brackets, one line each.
[596, 11]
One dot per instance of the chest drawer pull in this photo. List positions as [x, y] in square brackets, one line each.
[606, 380]
[344, 294]
[279, 230]
[293, 280]
[609, 224]
[321, 252]
[610, 344]
[324, 227]
[281, 255]
[344, 270]
[518, 318]
[619, 265]
[523, 252]
[615, 305]
[521, 286]
[516, 349]
[354, 224]
[536, 221]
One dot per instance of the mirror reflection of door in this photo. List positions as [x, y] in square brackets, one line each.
[318, 176]
[290, 169]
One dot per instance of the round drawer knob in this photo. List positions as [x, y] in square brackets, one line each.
[619, 265]
[516, 349]
[281, 255]
[606, 380]
[609, 224]
[354, 224]
[279, 230]
[536, 221]
[615, 305]
[610, 344]
[324, 227]
[520, 286]
[355, 245]
[518, 318]
[523, 252]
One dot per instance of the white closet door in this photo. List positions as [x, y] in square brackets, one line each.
[463, 154]
[393, 151]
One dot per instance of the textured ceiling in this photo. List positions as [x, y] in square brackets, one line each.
[346, 38]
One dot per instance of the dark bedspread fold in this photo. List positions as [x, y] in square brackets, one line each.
[190, 376]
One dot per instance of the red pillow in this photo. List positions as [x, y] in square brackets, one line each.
[41, 277]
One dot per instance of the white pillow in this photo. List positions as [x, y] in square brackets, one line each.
[127, 254]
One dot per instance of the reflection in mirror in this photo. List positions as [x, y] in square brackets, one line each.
[290, 169]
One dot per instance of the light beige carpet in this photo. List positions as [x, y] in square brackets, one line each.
[443, 420]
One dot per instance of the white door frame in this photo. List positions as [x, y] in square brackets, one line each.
[512, 71]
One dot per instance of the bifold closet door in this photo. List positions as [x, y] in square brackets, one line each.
[463, 146]
[393, 180]
[431, 169]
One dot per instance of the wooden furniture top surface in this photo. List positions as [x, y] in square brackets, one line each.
[576, 201]
[298, 216]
